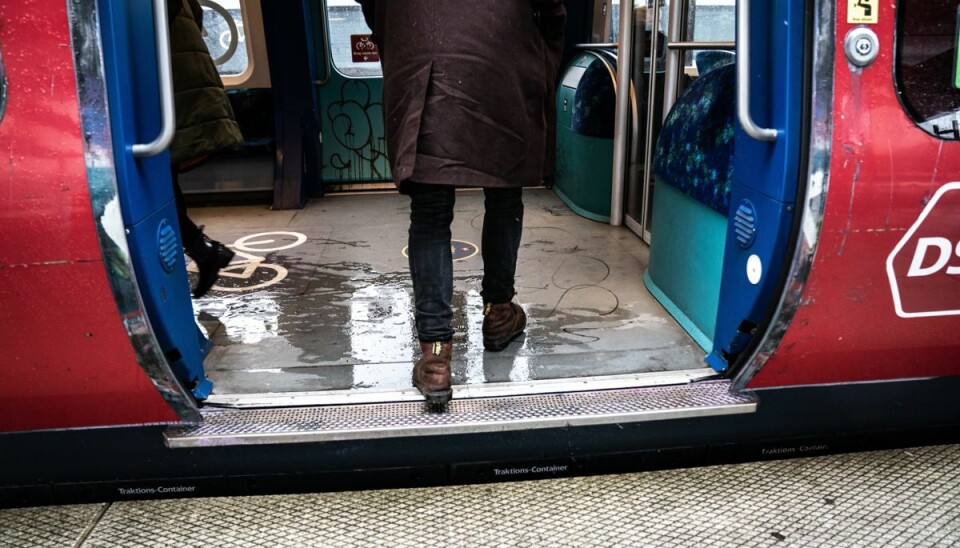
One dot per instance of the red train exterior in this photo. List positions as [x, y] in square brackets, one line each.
[885, 173]
[70, 362]
[872, 291]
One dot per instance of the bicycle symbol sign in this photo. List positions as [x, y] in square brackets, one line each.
[363, 49]
[249, 268]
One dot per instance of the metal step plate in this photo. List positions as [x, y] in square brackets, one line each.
[373, 421]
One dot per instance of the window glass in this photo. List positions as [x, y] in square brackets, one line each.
[712, 20]
[707, 21]
[926, 64]
[223, 33]
[347, 29]
[614, 35]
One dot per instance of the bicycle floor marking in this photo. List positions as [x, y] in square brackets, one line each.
[246, 264]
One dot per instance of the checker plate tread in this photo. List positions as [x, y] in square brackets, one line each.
[231, 427]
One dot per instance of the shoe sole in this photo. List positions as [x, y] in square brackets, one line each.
[497, 346]
[437, 398]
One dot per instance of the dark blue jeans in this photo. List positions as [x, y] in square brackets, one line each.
[431, 260]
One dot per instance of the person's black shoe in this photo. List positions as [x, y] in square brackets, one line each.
[210, 256]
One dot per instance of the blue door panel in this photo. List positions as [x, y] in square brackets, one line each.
[776, 58]
[145, 186]
[133, 90]
[765, 174]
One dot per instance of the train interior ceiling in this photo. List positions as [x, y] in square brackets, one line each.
[317, 304]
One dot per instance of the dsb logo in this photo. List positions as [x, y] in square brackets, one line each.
[943, 252]
[924, 268]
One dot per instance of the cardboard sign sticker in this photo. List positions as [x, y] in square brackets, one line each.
[862, 11]
[363, 48]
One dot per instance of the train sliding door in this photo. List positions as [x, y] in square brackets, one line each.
[872, 293]
[140, 98]
[350, 94]
[78, 347]
[772, 48]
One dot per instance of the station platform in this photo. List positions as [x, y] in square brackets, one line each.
[903, 497]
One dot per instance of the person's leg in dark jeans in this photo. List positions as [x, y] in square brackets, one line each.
[503, 320]
[210, 255]
[431, 268]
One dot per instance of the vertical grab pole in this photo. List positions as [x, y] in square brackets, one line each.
[165, 74]
[651, 111]
[634, 189]
[744, 73]
[671, 77]
[622, 122]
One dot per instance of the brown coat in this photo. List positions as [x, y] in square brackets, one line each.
[468, 92]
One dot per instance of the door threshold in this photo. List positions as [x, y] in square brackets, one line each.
[227, 427]
[462, 392]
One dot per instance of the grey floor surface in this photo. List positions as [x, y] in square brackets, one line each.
[321, 299]
[906, 497]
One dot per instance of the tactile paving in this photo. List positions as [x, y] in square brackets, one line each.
[890, 498]
[52, 527]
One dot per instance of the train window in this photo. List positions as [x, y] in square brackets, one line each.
[614, 31]
[225, 37]
[712, 20]
[926, 66]
[348, 35]
[707, 21]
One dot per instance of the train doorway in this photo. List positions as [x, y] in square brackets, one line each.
[316, 307]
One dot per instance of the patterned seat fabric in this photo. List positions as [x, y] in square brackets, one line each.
[695, 148]
[712, 59]
[595, 103]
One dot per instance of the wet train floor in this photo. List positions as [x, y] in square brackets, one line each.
[320, 299]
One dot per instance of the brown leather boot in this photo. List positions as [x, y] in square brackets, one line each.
[501, 324]
[431, 374]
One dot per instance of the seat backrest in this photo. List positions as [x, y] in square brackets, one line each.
[695, 149]
[708, 60]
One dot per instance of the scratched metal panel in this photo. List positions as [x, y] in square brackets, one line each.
[64, 339]
[844, 320]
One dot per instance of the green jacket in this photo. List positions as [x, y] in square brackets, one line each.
[205, 119]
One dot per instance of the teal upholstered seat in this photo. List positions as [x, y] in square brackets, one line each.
[693, 168]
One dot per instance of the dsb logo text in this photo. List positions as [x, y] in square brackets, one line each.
[924, 268]
[942, 251]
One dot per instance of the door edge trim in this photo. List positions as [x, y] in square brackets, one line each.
[814, 197]
[85, 29]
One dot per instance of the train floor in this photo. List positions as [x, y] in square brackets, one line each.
[320, 299]
[904, 497]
